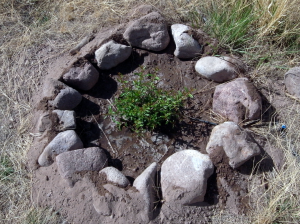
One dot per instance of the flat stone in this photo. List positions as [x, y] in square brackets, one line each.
[186, 46]
[149, 32]
[237, 101]
[292, 81]
[67, 119]
[184, 177]
[145, 184]
[88, 159]
[111, 54]
[114, 176]
[237, 143]
[63, 142]
[83, 78]
[219, 69]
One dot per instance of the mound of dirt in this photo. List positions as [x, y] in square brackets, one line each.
[129, 152]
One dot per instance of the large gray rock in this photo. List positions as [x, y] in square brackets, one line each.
[114, 176]
[150, 32]
[186, 46]
[184, 177]
[111, 54]
[63, 142]
[145, 184]
[66, 118]
[237, 143]
[219, 69]
[88, 159]
[237, 100]
[83, 78]
[292, 81]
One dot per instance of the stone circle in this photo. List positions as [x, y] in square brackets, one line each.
[184, 175]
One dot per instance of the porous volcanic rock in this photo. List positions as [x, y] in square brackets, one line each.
[219, 69]
[87, 159]
[237, 100]
[63, 142]
[115, 176]
[83, 78]
[145, 184]
[186, 46]
[184, 177]
[237, 143]
[292, 81]
[150, 32]
[66, 119]
[111, 54]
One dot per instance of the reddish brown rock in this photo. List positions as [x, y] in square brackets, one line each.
[237, 100]
[237, 143]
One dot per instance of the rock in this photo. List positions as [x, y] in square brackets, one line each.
[63, 142]
[44, 122]
[66, 119]
[111, 54]
[67, 99]
[114, 176]
[88, 159]
[237, 101]
[150, 32]
[237, 143]
[83, 78]
[184, 177]
[219, 69]
[145, 184]
[186, 46]
[292, 81]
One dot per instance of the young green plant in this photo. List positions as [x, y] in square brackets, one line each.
[142, 105]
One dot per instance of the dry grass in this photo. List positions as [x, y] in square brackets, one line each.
[29, 26]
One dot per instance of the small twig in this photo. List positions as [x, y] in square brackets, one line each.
[206, 122]
[104, 135]
[111, 104]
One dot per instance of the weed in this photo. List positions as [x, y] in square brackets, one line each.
[6, 168]
[142, 105]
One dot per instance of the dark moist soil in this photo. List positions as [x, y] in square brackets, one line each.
[135, 152]
[132, 153]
